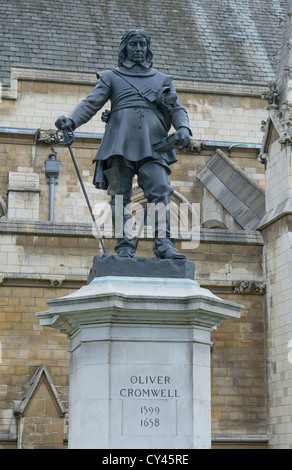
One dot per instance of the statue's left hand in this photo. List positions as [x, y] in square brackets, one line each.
[183, 137]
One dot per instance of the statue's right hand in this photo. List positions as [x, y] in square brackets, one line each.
[63, 123]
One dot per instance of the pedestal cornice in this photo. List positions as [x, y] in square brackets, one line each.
[115, 300]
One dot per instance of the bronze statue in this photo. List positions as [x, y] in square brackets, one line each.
[144, 105]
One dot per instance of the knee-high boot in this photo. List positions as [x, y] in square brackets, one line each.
[153, 179]
[119, 180]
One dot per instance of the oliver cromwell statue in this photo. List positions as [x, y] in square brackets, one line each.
[144, 105]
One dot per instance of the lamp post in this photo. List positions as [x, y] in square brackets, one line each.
[52, 169]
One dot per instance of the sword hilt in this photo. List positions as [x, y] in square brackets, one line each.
[65, 136]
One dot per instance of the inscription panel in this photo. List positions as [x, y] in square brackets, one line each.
[151, 401]
[148, 417]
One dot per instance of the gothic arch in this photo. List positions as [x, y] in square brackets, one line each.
[40, 414]
[184, 215]
[182, 211]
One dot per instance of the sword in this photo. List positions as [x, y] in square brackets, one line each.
[171, 142]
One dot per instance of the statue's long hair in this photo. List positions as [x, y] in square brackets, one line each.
[124, 41]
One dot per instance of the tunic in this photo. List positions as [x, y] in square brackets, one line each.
[136, 123]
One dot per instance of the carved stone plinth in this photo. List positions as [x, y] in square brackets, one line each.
[140, 361]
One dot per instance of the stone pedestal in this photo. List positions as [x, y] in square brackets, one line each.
[140, 361]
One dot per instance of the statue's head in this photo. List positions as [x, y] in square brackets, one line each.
[135, 46]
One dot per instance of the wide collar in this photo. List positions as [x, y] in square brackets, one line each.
[130, 68]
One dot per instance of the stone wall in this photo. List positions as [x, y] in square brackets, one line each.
[24, 347]
[278, 257]
[238, 372]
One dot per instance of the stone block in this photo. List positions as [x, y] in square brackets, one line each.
[239, 195]
[23, 195]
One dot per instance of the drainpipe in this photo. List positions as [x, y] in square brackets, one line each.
[52, 169]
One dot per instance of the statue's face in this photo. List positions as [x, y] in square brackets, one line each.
[137, 49]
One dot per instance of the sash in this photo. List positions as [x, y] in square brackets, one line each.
[150, 96]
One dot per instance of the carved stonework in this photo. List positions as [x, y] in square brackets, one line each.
[46, 137]
[288, 72]
[250, 287]
[272, 95]
[57, 281]
[281, 116]
[286, 139]
[264, 125]
[196, 145]
[263, 157]
[285, 120]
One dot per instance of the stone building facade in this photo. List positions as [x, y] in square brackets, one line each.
[244, 200]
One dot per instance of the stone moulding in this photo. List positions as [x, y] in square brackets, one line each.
[115, 300]
[40, 374]
[89, 78]
[72, 229]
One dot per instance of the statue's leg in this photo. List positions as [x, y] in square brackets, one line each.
[154, 180]
[119, 180]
